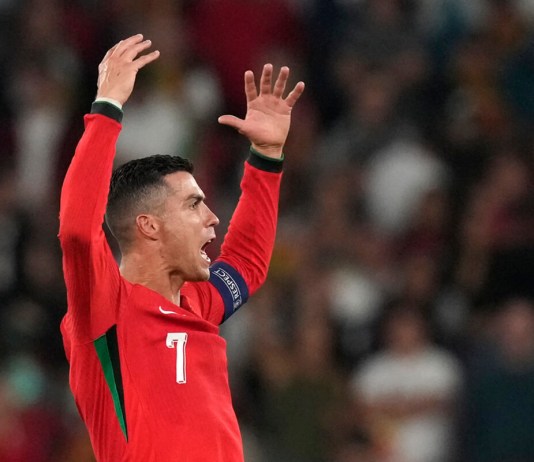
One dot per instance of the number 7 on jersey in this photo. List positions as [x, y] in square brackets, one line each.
[180, 340]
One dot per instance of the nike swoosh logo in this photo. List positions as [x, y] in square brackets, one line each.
[167, 312]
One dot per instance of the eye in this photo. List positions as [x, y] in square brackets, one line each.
[195, 204]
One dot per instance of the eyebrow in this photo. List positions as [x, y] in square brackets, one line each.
[196, 196]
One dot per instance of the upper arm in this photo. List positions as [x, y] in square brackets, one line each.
[92, 279]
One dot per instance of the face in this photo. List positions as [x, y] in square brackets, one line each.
[187, 227]
[405, 333]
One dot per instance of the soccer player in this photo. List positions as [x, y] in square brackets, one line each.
[148, 369]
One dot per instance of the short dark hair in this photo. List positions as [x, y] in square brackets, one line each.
[134, 188]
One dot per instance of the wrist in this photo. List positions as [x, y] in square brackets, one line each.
[107, 109]
[265, 163]
[104, 99]
[272, 152]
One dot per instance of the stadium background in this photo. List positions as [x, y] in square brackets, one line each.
[406, 219]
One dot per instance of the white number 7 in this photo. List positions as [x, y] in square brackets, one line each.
[180, 339]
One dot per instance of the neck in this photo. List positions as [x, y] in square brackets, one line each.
[152, 273]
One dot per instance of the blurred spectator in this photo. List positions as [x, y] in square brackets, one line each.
[176, 97]
[30, 428]
[43, 80]
[495, 238]
[236, 35]
[499, 400]
[14, 225]
[355, 447]
[303, 398]
[408, 391]
[428, 233]
[370, 120]
[398, 178]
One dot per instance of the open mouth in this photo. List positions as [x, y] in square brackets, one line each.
[203, 253]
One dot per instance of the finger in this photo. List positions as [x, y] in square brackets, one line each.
[231, 121]
[295, 94]
[280, 84]
[123, 45]
[135, 49]
[142, 61]
[250, 86]
[265, 81]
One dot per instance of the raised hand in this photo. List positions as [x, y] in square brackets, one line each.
[266, 123]
[118, 69]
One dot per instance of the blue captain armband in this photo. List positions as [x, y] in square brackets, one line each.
[231, 285]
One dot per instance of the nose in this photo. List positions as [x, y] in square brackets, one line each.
[211, 218]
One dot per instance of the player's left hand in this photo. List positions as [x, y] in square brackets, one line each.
[266, 123]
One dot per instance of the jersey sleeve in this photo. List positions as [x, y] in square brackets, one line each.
[248, 245]
[91, 274]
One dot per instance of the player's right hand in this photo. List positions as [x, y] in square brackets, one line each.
[118, 69]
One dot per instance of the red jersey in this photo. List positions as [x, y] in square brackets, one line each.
[150, 377]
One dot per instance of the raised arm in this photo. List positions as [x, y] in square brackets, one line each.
[249, 243]
[90, 272]
[85, 189]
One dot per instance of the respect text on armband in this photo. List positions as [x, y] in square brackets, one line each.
[232, 286]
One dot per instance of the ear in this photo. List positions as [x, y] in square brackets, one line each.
[148, 226]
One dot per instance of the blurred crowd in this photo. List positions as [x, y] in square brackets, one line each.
[397, 322]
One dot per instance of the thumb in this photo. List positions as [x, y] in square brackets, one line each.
[231, 121]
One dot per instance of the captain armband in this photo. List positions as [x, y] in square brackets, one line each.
[231, 285]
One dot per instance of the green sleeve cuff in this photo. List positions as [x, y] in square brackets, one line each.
[265, 163]
[107, 109]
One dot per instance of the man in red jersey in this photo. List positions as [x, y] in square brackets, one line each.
[147, 367]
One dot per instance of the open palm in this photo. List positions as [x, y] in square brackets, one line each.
[266, 123]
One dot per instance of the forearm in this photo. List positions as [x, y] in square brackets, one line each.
[85, 189]
[249, 242]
